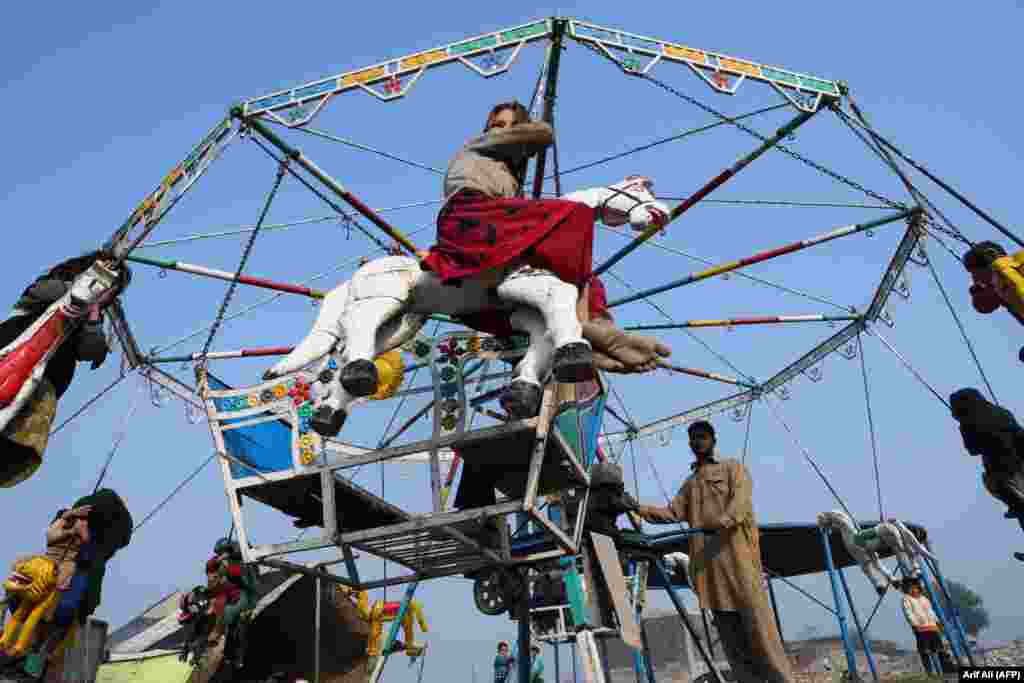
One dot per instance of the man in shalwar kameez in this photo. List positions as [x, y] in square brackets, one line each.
[725, 565]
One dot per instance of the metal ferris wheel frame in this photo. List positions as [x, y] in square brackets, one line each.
[489, 55]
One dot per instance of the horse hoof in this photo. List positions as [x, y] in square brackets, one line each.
[573, 363]
[359, 378]
[521, 400]
[327, 422]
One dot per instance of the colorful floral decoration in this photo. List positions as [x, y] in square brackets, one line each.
[300, 394]
[447, 378]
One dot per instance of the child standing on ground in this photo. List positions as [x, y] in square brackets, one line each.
[917, 609]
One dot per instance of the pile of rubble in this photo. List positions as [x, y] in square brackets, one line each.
[1008, 655]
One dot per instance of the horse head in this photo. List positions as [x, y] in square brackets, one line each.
[633, 201]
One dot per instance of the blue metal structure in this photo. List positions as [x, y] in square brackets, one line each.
[840, 612]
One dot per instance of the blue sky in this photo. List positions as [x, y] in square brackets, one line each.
[101, 102]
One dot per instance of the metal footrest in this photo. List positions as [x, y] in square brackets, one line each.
[435, 543]
[429, 552]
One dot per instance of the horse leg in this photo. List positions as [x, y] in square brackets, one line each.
[325, 335]
[892, 538]
[331, 400]
[556, 301]
[868, 562]
[378, 292]
[522, 399]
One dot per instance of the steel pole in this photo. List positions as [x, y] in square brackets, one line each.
[558, 27]
[708, 188]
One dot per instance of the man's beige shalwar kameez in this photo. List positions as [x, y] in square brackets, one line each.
[725, 567]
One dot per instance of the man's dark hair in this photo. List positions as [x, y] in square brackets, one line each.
[701, 426]
[982, 254]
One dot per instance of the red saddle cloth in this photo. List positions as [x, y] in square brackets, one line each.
[476, 233]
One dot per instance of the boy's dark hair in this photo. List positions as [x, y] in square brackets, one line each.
[518, 170]
[73, 267]
[502, 643]
[982, 254]
[701, 426]
[522, 115]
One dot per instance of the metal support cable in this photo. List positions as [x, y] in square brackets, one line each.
[946, 247]
[535, 96]
[622, 404]
[350, 221]
[636, 471]
[175, 492]
[365, 148]
[873, 144]
[786, 202]
[810, 460]
[671, 138]
[798, 589]
[878, 603]
[85, 406]
[739, 273]
[922, 200]
[270, 299]
[960, 326]
[871, 424]
[721, 358]
[746, 438]
[907, 365]
[924, 171]
[658, 480]
[238, 231]
[861, 120]
[625, 423]
[279, 226]
[118, 440]
[886, 159]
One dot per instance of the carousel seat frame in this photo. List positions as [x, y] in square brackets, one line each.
[545, 463]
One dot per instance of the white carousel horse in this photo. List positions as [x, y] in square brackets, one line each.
[865, 544]
[388, 300]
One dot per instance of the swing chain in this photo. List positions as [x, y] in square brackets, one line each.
[222, 312]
